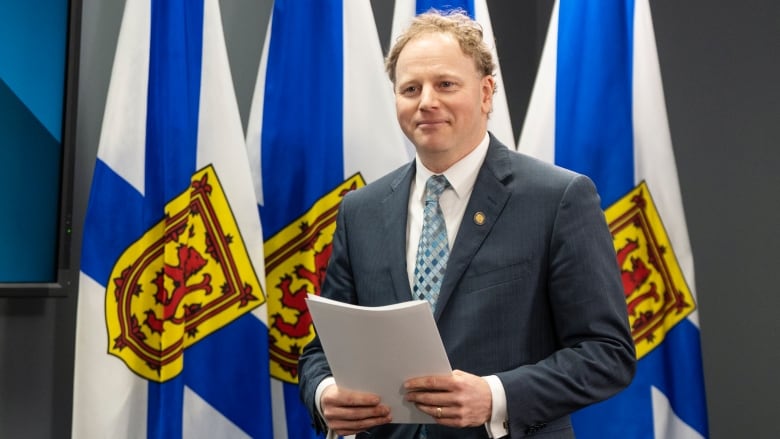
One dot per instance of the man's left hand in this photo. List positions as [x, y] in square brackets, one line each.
[457, 400]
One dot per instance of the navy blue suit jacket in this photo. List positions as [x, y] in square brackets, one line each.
[532, 295]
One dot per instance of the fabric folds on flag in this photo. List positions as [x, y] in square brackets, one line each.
[598, 108]
[322, 123]
[499, 123]
[171, 329]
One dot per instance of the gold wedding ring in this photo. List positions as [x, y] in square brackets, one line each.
[438, 412]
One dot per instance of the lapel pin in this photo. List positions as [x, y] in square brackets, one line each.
[479, 218]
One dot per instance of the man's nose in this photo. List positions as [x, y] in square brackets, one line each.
[429, 98]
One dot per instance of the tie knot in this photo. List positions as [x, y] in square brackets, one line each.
[434, 187]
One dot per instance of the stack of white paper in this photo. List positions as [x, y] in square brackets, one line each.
[375, 349]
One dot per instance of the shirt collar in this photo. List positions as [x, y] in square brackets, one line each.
[461, 175]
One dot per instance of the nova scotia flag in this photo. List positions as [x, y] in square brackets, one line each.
[172, 340]
[598, 108]
[322, 123]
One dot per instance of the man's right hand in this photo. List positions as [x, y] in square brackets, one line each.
[350, 412]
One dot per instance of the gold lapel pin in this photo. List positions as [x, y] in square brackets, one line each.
[479, 218]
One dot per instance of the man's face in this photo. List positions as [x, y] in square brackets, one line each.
[441, 100]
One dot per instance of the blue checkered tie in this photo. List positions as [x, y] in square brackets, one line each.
[433, 250]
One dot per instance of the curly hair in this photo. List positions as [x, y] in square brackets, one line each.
[457, 23]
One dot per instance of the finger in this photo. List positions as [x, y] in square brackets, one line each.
[431, 398]
[447, 416]
[439, 413]
[334, 396]
[347, 427]
[431, 383]
[355, 413]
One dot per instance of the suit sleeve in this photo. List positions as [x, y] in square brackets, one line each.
[596, 358]
[338, 285]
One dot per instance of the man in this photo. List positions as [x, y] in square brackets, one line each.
[531, 308]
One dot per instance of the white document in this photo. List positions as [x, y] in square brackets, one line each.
[375, 349]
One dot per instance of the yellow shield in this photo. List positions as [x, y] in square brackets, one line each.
[657, 295]
[185, 278]
[295, 263]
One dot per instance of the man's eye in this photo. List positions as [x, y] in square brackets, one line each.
[446, 84]
[409, 90]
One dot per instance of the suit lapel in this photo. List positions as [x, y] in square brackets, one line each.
[483, 210]
[395, 207]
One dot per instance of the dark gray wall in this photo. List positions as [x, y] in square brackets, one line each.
[721, 67]
[720, 64]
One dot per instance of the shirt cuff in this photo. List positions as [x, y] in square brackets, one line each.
[497, 425]
[321, 388]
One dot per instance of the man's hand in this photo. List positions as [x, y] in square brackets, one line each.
[458, 400]
[349, 412]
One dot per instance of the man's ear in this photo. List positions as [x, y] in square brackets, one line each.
[488, 90]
